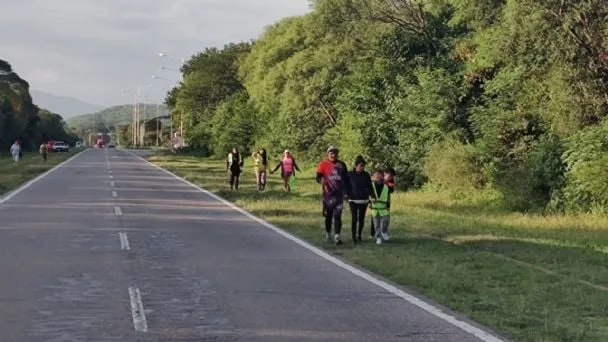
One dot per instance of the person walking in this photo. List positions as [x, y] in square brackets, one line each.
[261, 161]
[379, 205]
[44, 150]
[361, 183]
[288, 168]
[389, 180]
[16, 151]
[234, 164]
[332, 174]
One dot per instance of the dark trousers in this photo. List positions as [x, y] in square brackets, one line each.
[234, 180]
[357, 212]
[333, 214]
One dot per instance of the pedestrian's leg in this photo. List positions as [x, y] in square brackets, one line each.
[377, 224]
[236, 181]
[263, 180]
[258, 179]
[372, 232]
[354, 214]
[361, 219]
[385, 222]
[328, 218]
[337, 214]
[231, 180]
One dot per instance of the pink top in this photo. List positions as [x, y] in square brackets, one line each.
[287, 164]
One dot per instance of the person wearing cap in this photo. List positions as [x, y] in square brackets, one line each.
[361, 183]
[332, 174]
[288, 168]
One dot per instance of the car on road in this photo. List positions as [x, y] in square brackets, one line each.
[60, 146]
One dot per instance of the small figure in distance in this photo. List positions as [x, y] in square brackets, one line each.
[234, 164]
[261, 162]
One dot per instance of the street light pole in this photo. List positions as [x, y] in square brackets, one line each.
[134, 115]
[171, 116]
[181, 80]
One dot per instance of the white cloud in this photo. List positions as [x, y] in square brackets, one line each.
[90, 49]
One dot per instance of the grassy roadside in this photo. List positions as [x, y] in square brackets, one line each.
[532, 278]
[12, 174]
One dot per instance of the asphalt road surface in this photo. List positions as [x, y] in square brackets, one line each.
[110, 248]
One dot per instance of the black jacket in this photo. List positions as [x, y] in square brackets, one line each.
[361, 185]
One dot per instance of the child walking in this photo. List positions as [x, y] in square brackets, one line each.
[389, 180]
[380, 198]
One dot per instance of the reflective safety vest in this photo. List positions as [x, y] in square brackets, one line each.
[379, 204]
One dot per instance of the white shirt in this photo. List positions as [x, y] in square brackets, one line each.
[16, 148]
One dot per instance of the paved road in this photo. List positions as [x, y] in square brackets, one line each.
[110, 248]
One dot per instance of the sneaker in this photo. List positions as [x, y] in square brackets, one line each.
[378, 241]
[337, 239]
[327, 236]
[385, 237]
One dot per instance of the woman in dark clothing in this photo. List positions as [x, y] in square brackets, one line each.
[234, 163]
[361, 183]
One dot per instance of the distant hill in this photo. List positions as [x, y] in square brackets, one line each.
[65, 106]
[112, 117]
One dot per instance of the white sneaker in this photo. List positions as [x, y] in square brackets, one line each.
[337, 239]
[378, 241]
[327, 236]
[385, 236]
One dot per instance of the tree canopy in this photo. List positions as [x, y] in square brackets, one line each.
[462, 95]
[21, 119]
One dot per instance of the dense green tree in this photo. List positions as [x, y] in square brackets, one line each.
[507, 95]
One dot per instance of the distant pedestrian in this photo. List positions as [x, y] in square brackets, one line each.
[16, 151]
[361, 183]
[234, 164]
[44, 150]
[333, 175]
[261, 161]
[288, 168]
[20, 149]
[380, 198]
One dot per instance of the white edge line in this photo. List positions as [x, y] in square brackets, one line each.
[114, 194]
[137, 310]
[31, 182]
[112, 184]
[477, 332]
[117, 211]
[111, 177]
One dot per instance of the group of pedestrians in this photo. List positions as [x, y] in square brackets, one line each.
[358, 187]
[17, 151]
[361, 190]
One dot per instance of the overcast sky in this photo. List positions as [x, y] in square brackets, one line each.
[91, 49]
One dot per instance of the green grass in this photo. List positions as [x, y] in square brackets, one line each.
[529, 277]
[13, 175]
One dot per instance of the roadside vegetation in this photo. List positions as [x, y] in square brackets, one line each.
[529, 276]
[13, 175]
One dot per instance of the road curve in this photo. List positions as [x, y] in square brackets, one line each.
[107, 247]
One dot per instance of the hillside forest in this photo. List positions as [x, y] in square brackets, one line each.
[21, 119]
[505, 98]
